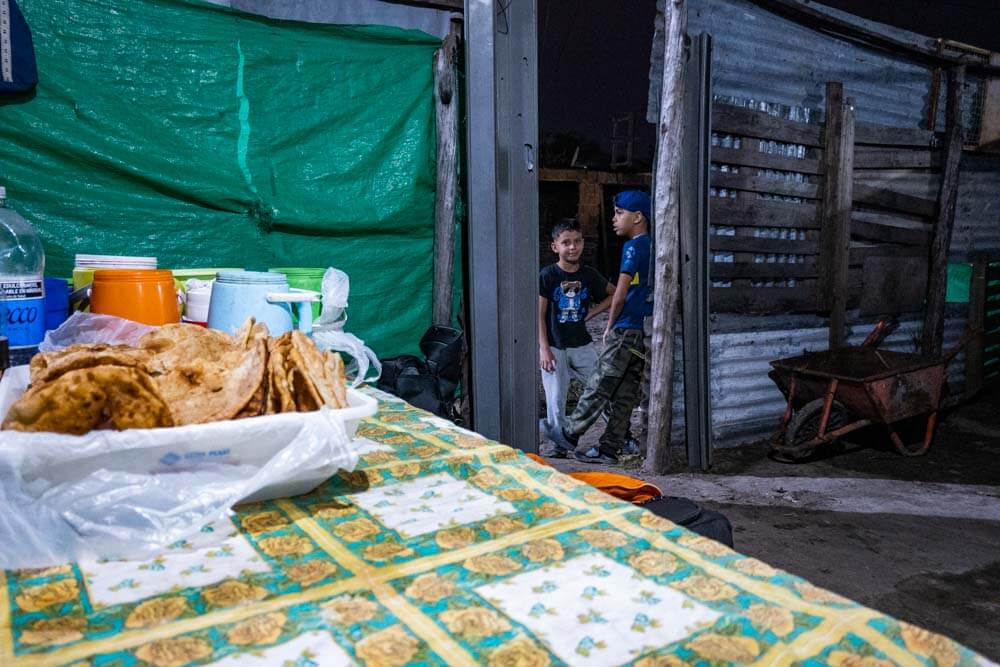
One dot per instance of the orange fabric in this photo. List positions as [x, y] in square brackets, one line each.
[622, 487]
[537, 459]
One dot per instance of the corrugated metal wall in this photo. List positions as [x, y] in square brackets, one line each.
[760, 56]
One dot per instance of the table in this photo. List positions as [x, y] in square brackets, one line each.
[443, 547]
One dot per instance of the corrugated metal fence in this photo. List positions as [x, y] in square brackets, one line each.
[763, 57]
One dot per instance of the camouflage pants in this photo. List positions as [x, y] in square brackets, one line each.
[615, 382]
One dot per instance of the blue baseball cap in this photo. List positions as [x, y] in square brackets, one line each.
[634, 200]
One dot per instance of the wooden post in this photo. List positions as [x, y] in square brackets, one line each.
[446, 88]
[937, 281]
[977, 320]
[665, 261]
[835, 210]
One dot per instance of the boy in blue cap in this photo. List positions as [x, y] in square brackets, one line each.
[616, 381]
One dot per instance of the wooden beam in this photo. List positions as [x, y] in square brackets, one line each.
[587, 176]
[887, 135]
[762, 213]
[976, 321]
[867, 195]
[873, 231]
[763, 300]
[937, 282]
[858, 254]
[754, 158]
[807, 15]
[835, 210]
[738, 270]
[728, 119]
[666, 186]
[880, 157]
[446, 87]
[755, 183]
[756, 244]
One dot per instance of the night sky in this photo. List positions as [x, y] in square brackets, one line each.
[594, 54]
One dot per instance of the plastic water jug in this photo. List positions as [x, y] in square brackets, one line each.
[22, 286]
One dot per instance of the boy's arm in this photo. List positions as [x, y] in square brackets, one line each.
[617, 301]
[605, 303]
[546, 361]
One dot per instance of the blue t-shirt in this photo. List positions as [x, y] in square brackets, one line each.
[635, 262]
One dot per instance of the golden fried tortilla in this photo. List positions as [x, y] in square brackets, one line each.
[205, 390]
[85, 399]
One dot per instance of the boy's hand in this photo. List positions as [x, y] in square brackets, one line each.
[546, 360]
[607, 332]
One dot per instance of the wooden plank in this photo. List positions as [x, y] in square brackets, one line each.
[878, 157]
[758, 245]
[762, 213]
[886, 135]
[762, 300]
[872, 231]
[665, 261]
[755, 183]
[976, 350]
[447, 87]
[738, 270]
[882, 198]
[754, 158]
[587, 176]
[857, 255]
[892, 285]
[728, 119]
[937, 284]
[835, 211]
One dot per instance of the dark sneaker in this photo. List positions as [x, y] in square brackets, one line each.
[632, 447]
[556, 452]
[561, 440]
[594, 455]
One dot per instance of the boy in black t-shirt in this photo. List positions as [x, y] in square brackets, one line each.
[567, 293]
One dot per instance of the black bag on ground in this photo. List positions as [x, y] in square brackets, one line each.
[684, 512]
[428, 383]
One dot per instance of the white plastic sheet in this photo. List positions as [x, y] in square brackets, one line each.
[329, 334]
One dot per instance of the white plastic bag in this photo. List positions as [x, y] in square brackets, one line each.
[329, 334]
[128, 494]
[93, 328]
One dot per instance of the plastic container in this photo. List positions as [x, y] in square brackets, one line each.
[22, 288]
[181, 276]
[56, 302]
[237, 295]
[85, 265]
[196, 306]
[304, 278]
[141, 295]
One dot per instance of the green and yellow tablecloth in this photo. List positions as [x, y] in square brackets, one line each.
[445, 548]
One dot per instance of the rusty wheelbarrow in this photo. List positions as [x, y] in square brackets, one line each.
[836, 392]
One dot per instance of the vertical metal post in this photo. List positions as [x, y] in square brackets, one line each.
[516, 51]
[482, 189]
[694, 222]
[502, 90]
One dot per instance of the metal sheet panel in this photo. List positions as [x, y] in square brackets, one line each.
[761, 56]
[358, 12]
[747, 406]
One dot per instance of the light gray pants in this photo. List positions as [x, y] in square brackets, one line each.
[573, 362]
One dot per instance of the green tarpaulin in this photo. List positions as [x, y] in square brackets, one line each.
[208, 137]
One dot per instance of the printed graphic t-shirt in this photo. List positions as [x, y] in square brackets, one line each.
[570, 296]
[635, 262]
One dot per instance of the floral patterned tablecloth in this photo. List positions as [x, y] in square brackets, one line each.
[445, 548]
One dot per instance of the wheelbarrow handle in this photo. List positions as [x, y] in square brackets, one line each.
[965, 340]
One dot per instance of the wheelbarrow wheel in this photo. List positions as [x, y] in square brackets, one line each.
[804, 427]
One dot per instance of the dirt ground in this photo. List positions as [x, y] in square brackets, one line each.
[914, 537]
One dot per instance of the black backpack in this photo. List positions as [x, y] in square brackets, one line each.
[18, 73]
[427, 383]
